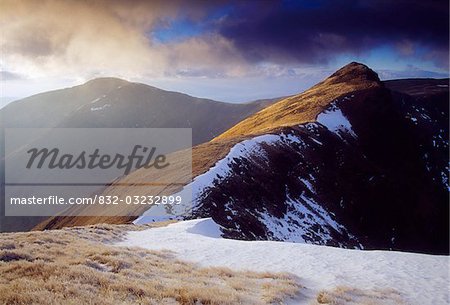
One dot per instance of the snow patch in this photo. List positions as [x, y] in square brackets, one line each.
[317, 141]
[308, 184]
[96, 100]
[206, 227]
[100, 108]
[419, 278]
[304, 221]
[335, 121]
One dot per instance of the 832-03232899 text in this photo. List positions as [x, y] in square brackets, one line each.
[97, 199]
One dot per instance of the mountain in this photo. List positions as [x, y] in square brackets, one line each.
[5, 100]
[369, 169]
[305, 107]
[112, 102]
[353, 162]
[116, 103]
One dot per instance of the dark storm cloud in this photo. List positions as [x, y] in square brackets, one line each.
[314, 31]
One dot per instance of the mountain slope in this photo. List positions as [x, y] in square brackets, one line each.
[367, 173]
[366, 186]
[349, 163]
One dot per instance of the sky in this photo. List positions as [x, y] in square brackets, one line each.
[234, 51]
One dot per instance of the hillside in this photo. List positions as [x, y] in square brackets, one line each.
[349, 163]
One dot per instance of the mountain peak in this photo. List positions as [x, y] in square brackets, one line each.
[305, 107]
[104, 84]
[106, 81]
[354, 72]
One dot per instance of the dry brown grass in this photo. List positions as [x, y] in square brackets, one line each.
[352, 296]
[203, 157]
[78, 266]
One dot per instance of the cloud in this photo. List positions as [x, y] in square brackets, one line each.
[314, 32]
[410, 72]
[86, 39]
[100, 38]
[6, 75]
[53, 36]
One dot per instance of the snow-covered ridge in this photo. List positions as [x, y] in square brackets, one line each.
[418, 278]
[220, 171]
[215, 174]
[332, 118]
[305, 219]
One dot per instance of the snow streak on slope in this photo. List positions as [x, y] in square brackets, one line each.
[419, 279]
[304, 221]
[213, 176]
[335, 120]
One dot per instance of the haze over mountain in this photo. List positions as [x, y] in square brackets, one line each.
[112, 102]
[116, 103]
[352, 162]
[5, 100]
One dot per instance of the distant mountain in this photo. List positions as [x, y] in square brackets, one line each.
[5, 100]
[112, 102]
[353, 162]
[116, 103]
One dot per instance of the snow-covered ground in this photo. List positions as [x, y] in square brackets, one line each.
[420, 279]
[333, 119]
